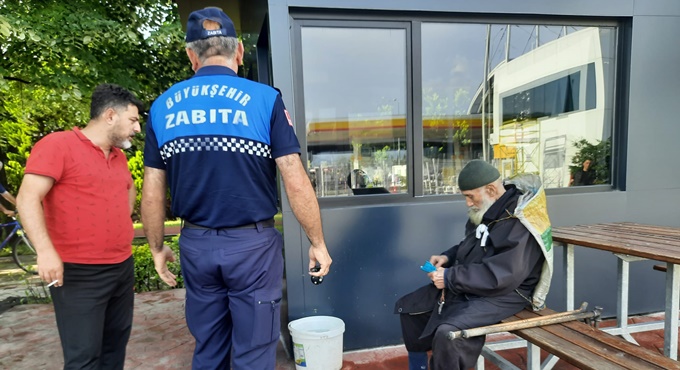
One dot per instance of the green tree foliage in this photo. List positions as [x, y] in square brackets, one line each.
[136, 166]
[74, 45]
[55, 52]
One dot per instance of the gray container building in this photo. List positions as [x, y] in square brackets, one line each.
[390, 98]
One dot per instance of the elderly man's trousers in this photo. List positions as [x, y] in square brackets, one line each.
[460, 353]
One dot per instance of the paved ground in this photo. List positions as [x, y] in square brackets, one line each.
[160, 339]
[16, 285]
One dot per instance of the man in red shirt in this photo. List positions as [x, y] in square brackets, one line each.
[75, 200]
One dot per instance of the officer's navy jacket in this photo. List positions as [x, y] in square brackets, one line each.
[216, 135]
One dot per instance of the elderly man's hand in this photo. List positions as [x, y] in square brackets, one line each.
[437, 278]
[439, 261]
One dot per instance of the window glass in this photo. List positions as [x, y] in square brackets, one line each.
[541, 102]
[355, 110]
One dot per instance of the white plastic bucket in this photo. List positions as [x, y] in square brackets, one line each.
[317, 342]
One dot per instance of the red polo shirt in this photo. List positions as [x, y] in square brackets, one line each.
[87, 211]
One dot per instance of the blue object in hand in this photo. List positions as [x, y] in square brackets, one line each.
[428, 267]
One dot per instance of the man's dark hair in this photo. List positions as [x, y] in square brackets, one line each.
[107, 96]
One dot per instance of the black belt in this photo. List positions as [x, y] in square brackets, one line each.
[254, 225]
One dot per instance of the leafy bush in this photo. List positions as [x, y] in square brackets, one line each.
[136, 167]
[146, 277]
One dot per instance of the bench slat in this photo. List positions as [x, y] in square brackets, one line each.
[566, 351]
[651, 229]
[626, 232]
[651, 357]
[658, 252]
[610, 348]
[620, 240]
[612, 237]
[638, 234]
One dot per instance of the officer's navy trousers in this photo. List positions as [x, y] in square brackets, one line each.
[233, 282]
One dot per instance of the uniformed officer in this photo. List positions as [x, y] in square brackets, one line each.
[216, 140]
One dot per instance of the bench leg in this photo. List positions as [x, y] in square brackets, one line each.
[550, 362]
[480, 363]
[495, 359]
[623, 277]
[533, 357]
[568, 264]
[672, 306]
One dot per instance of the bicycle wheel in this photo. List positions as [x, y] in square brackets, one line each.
[24, 254]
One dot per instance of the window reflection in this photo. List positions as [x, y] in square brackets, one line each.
[526, 98]
[355, 109]
[453, 69]
[542, 105]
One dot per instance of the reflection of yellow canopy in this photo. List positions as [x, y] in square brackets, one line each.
[501, 151]
[378, 130]
[369, 130]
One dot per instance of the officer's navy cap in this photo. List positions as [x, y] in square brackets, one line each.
[195, 30]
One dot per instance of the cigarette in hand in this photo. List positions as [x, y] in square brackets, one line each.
[52, 283]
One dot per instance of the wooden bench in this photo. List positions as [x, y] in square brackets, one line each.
[587, 347]
[629, 242]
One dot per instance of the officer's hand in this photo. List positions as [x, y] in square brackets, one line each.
[160, 261]
[318, 255]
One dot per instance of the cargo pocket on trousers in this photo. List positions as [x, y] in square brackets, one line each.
[267, 318]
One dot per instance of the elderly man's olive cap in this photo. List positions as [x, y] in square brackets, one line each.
[477, 173]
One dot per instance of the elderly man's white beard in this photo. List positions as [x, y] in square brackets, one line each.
[476, 214]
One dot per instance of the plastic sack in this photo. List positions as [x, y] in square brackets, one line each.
[532, 211]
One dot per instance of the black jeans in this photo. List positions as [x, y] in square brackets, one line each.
[94, 314]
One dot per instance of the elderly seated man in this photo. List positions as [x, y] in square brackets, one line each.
[490, 275]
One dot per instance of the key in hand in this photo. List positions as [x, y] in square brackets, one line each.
[316, 280]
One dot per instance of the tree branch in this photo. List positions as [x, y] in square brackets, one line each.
[10, 78]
